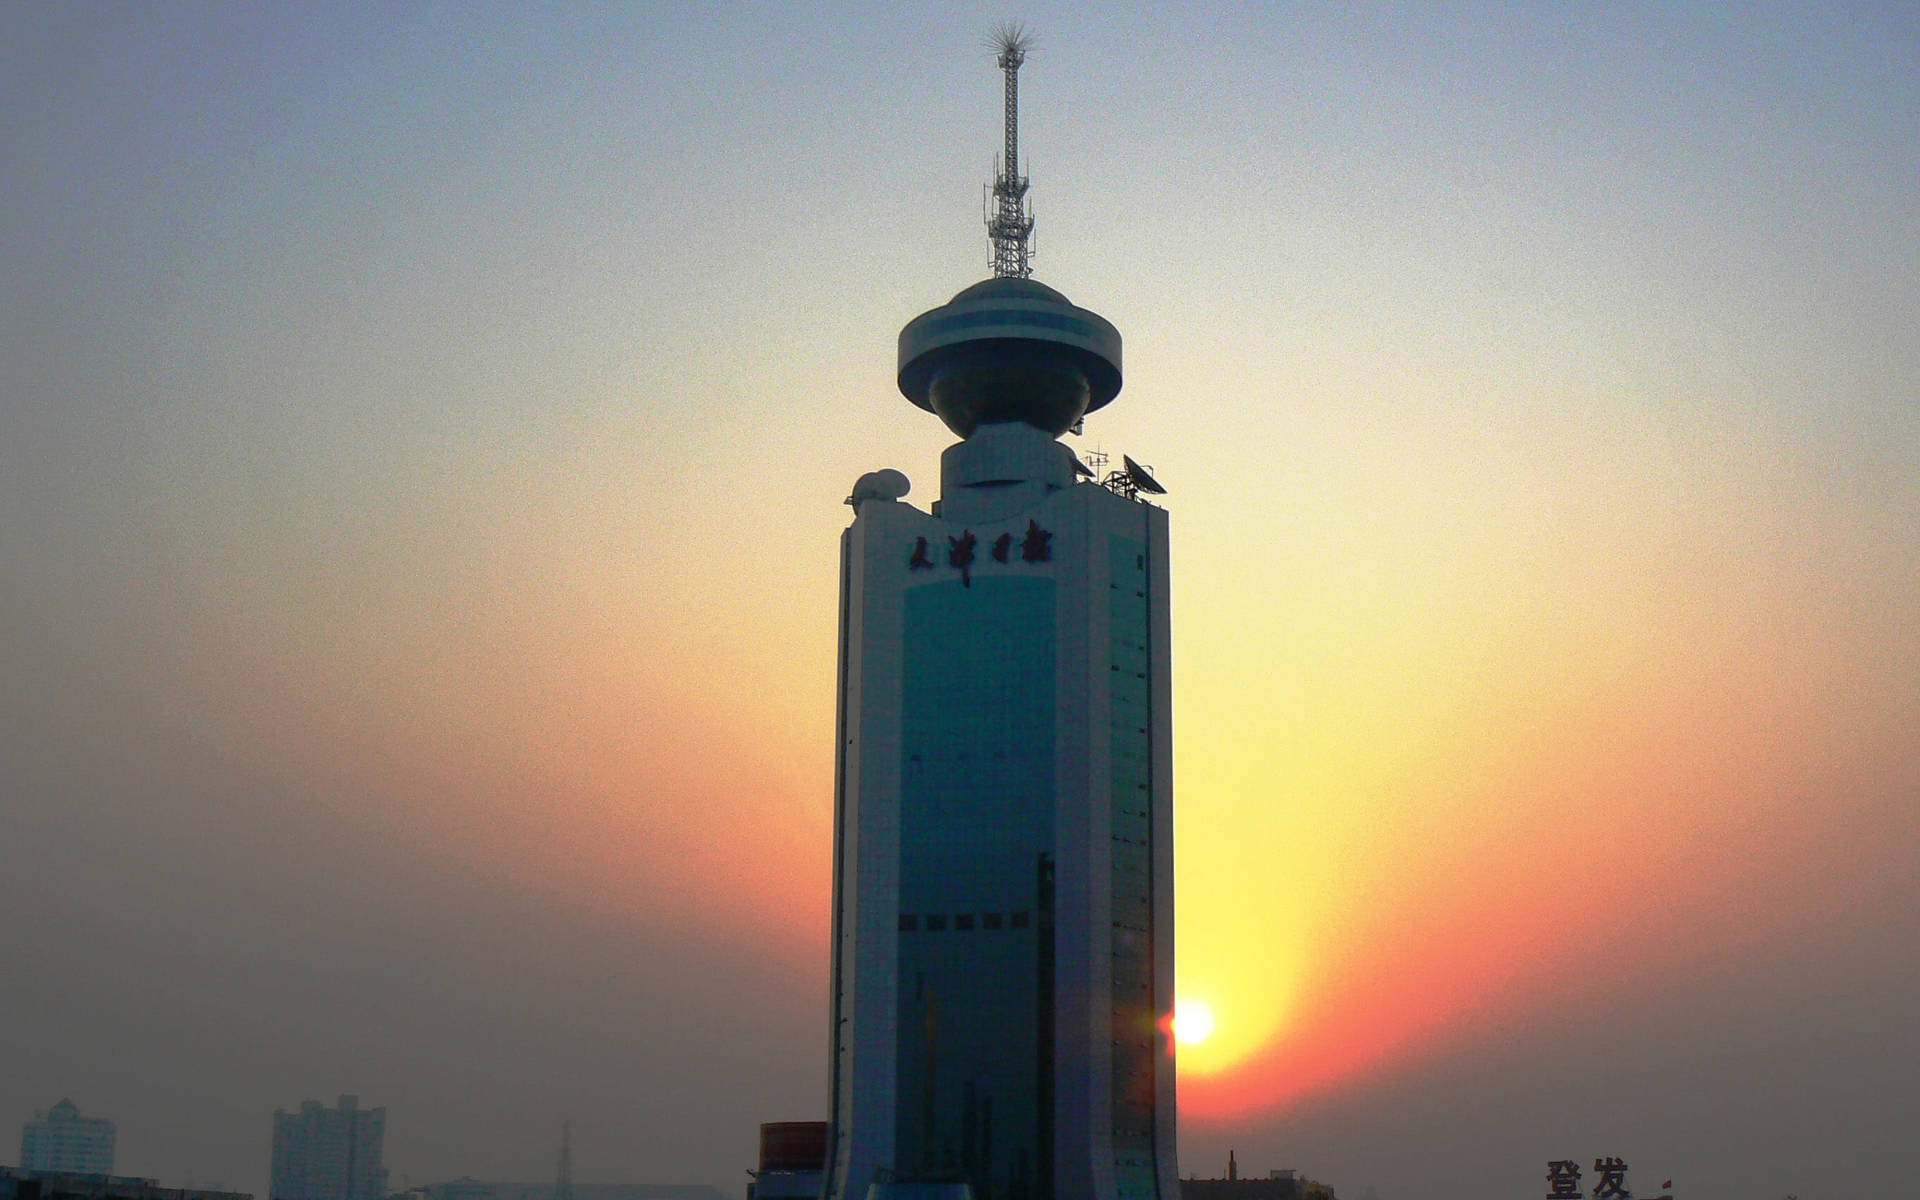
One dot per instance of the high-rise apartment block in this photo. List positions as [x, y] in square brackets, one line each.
[61, 1140]
[324, 1153]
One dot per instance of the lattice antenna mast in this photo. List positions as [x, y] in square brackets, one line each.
[1010, 224]
[563, 1181]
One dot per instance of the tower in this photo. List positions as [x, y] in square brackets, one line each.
[563, 1178]
[1002, 975]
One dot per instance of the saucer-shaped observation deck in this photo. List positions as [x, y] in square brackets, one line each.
[1009, 349]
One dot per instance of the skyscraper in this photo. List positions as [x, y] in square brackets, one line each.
[1003, 862]
[329, 1153]
[63, 1141]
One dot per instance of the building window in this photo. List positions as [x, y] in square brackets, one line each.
[936, 923]
[990, 920]
[909, 922]
[1019, 919]
[963, 921]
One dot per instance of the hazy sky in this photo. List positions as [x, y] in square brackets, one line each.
[422, 438]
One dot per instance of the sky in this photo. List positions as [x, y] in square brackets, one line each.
[423, 431]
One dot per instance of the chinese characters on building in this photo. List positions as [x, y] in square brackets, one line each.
[1035, 547]
[1613, 1180]
[960, 554]
[1563, 1180]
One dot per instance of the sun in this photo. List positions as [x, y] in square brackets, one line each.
[1192, 1022]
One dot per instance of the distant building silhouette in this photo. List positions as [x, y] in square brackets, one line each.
[324, 1153]
[54, 1185]
[1277, 1185]
[482, 1189]
[62, 1141]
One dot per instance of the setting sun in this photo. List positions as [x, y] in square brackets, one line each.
[1192, 1022]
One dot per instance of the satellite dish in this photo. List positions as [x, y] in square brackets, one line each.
[1141, 479]
[1080, 468]
[880, 485]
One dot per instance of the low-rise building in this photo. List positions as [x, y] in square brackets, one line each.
[1275, 1185]
[53, 1185]
[482, 1189]
[793, 1161]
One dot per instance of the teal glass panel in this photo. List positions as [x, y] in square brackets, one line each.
[976, 841]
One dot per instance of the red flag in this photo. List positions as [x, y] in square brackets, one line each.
[1666, 1185]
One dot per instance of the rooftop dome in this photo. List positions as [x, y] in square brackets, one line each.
[1009, 349]
[1010, 289]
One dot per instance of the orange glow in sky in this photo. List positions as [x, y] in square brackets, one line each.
[423, 432]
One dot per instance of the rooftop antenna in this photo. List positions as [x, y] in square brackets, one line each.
[1142, 478]
[1130, 481]
[1010, 223]
[563, 1182]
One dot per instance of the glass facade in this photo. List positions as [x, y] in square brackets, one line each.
[974, 1084]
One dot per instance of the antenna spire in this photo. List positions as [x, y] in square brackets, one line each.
[1010, 224]
[563, 1182]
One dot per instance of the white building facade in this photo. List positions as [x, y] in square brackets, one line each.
[1002, 977]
